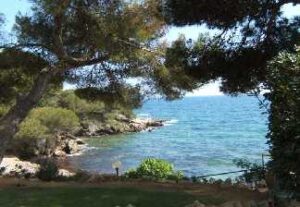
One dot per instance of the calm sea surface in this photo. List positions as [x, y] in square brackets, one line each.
[203, 136]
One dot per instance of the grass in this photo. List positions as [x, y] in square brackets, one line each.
[96, 197]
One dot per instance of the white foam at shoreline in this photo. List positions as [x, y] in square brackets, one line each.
[171, 122]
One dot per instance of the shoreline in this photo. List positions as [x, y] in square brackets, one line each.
[68, 145]
[121, 124]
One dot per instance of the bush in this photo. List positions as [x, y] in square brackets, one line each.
[48, 120]
[48, 170]
[151, 168]
[131, 174]
[37, 132]
[3, 110]
[56, 119]
[31, 129]
[69, 100]
[254, 171]
[25, 142]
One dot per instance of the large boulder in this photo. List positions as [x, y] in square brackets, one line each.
[13, 166]
[71, 147]
[65, 173]
[155, 123]
[67, 144]
[59, 153]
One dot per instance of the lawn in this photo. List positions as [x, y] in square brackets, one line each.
[97, 197]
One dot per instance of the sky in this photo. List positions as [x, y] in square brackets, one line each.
[11, 7]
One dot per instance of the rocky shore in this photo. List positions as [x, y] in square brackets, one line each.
[121, 124]
[66, 144]
[14, 167]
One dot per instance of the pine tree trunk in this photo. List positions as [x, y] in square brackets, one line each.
[10, 122]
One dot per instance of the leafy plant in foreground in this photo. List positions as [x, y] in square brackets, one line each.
[254, 171]
[156, 169]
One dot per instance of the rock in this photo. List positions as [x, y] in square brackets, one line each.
[65, 173]
[122, 118]
[142, 124]
[71, 147]
[59, 153]
[106, 131]
[137, 127]
[80, 142]
[93, 128]
[120, 124]
[155, 123]
[41, 146]
[67, 144]
[15, 167]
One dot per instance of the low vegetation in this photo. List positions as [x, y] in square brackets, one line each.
[48, 170]
[62, 112]
[37, 132]
[254, 172]
[155, 169]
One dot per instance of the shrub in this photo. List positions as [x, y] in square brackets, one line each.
[48, 120]
[151, 168]
[48, 170]
[37, 132]
[69, 100]
[194, 179]
[3, 110]
[254, 171]
[131, 174]
[25, 142]
[31, 129]
[56, 119]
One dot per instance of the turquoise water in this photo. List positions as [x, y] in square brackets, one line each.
[203, 136]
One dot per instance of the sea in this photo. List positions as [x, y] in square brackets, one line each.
[202, 136]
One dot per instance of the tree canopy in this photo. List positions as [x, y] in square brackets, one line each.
[251, 33]
[97, 45]
[284, 85]
[254, 49]
[93, 44]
